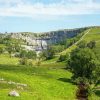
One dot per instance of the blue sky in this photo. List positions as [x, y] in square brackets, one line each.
[47, 15]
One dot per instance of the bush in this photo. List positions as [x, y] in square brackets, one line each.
[30, 63]
[82, 44]
[31, 54]
[28, 54]
[23, 61]
[49, 53]
[23, 53]
[38, 63]
[91, 44]
[83, 63]
[1, 50]
[62, 58]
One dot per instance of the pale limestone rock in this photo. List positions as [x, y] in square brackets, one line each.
[14, 93]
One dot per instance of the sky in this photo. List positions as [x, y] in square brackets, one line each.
[47, 15]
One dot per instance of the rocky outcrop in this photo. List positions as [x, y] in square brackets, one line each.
[40, 41]
[13, 93]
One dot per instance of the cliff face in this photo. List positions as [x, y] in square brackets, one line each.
[58, 36]
[39, 41]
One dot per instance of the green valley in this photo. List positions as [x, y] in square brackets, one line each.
[43, 76]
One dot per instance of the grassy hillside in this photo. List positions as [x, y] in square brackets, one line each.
[72, 47]
[93, 34]
[49, 81]
[43, 83]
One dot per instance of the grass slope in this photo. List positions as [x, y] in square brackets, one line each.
[44, 83]
[94, 34]
[89, 35]
[72, 47]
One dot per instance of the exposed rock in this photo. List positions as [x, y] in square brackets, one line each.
[11, 82]
[25, 85]
[1, 79]
[13, 93]
[40, 41]
[20, 87]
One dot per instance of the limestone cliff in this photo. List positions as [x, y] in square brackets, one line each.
[39, 41]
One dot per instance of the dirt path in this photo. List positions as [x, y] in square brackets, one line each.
[78, 41]
[82, 37]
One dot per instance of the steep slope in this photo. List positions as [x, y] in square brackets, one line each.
[90, 34]
[72, 47]
[94, 34]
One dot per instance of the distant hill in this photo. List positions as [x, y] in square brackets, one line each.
[41, 40]
[91, 34]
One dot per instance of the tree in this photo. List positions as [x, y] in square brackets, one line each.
[62, 58]
[91, 44]
[31, 54]
[10, 48]
[83, 63]
[27, 54]
[82, 44]
[49, 53]
[1, 50]
[23, 53]
[58, 48]
[23, 61]
[17, 47]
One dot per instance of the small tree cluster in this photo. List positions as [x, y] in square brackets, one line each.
[84, 65]
[23, 61]
[27, 54]
[1, 50]
[62, 58]
[49, 53]
[83, 44]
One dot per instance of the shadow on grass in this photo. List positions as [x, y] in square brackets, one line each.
[66, 80]
[97, 92]
[15, 68]
[25, 69]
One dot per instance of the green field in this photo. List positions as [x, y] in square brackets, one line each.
[42, 83]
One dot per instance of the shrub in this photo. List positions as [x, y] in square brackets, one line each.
[23, 61]
[1, 50]
[62, 58]
[31, 54]
[30, 63]
[91, 44]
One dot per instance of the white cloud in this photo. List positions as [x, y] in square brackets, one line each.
[65, 7]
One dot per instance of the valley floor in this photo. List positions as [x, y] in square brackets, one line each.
[49, 81]
[43, 83]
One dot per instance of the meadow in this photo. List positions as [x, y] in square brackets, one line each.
[43, 83]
